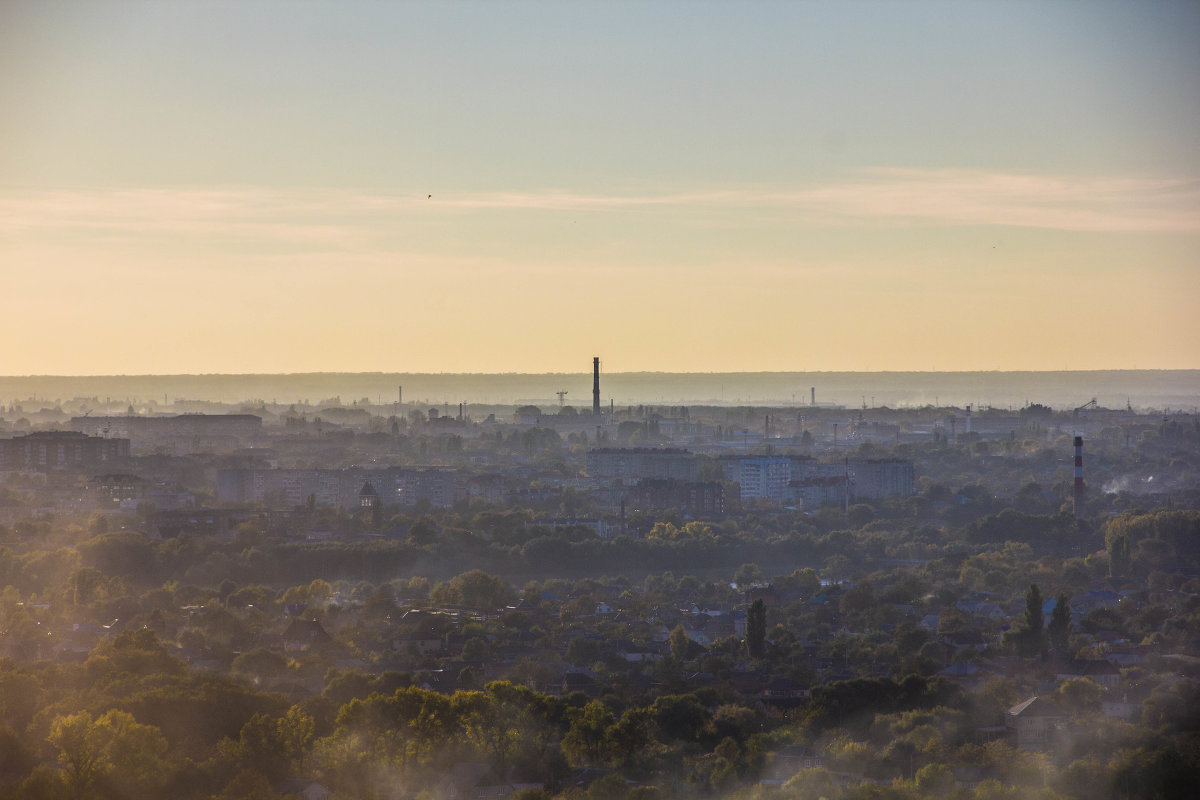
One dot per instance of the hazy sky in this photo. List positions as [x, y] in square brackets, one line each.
[678, 186]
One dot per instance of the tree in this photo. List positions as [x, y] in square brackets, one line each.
[1031, 634]
[474, 589]
[680, 716]
[806, 581]
[583, 651]
[260, 664]
[423, 531]
[756, 629]
[80, 753]
[133, 652]
[728, 756]
[1079, 695]
[681, 645]
[248, 785]
[934, 779]
[747, 575]
[113, 754]
[631, 736]
[1059, 629]
[1116, 542]
[818, 782]
[859, 599]
[584, 744]
[268, 746]
[1086, 778]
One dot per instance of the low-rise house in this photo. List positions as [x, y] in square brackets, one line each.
[309, 790]
[1096, 598]
[1121, 709]
[787, 761]
[303, 634]
[1128, 655]
[423, 644]
[783, 693]
[965, 640]
[1033, 723]
[469, 780]
[580, 682]
[969, 777]
[981, 609]
[766, 593]
[1098, 670]
[969, 676]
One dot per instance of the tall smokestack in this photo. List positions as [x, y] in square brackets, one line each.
[846, 484]
[813, 395]
[596, 386]
[1077, 495]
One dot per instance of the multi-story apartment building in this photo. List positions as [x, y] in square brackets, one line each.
[706, 498]
[48, 451]
[802, 480]
[338, 488]
[760, 477]
[883, 478]
[642, 463]
[176, 434]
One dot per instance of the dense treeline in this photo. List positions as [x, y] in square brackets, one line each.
[779, 538]
[123, 715]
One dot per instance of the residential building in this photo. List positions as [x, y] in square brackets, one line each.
[52, 451]
[337, 488]
[704, 498]
[1033, 723]
[760, 477]
[641, 463]
[813, 492]
[882, 478]
[176, 434]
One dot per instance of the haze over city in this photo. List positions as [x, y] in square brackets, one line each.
[509, 187]
[586, 400]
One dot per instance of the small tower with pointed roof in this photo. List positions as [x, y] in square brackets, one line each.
[368, 503]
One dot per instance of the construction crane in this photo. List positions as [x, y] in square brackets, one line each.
[1089, 404]
[561, 395]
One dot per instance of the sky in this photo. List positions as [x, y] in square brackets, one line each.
[198, 187]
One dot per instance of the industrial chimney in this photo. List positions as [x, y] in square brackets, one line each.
[596, 386]
[1077, 494]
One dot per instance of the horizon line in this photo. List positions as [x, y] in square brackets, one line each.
[588, 372]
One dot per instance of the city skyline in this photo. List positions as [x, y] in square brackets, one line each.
[270, 187]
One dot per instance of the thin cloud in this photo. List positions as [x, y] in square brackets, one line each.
[1150, 205]
[343, 218]
[941, 197]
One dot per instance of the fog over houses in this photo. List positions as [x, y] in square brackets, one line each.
[599, 400]
[753, 593]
